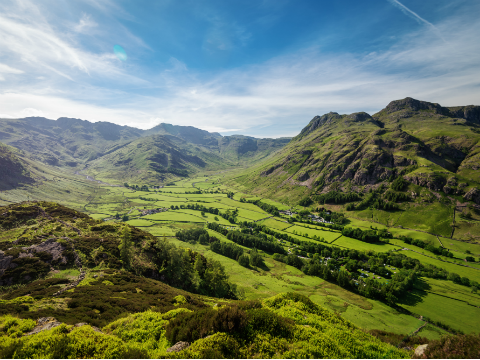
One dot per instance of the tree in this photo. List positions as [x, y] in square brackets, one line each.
[256, 259]
[203, 213]
[125, 218]
[216, 218]
[306, 201]
[125, 247]
[244, 260]
[203, 239]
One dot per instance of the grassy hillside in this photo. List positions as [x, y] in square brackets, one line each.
[431, 151]
[75, 269]
[67, 247]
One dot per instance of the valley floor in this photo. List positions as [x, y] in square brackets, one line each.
[440, 300]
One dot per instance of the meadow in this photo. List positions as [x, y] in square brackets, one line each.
[102, 202]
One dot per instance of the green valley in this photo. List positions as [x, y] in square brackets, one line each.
[359, 237]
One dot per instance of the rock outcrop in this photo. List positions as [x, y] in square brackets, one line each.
[179, 346]
[473, 195]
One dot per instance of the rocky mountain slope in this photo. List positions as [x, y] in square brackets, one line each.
[430, 145]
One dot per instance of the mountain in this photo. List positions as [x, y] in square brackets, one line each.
[155, 158]
[124, 152]
[433, 146]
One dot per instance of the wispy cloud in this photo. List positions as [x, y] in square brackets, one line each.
[85, 24]
[414, 15]
[273, 98]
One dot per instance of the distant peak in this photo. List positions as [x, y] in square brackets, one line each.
[412, 104]
[359, 116]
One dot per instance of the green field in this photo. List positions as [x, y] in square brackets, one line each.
[363, 246]
[460, 270]
[172, 215]
[140, 222]
[103, 202]
[454, 313]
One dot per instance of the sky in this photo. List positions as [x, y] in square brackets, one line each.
[262, 68]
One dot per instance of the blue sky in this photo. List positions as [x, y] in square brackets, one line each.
[255, 67]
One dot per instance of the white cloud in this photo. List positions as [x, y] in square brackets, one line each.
[85, 24]
[275, 98]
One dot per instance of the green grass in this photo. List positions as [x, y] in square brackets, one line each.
[160, 230]
[140, 222]
[452, 290]
[461, 246]
[174, 216]
[454, 313]
[253, 215]
[460, 270]
[275, 224]
[329, 236]
[363, 246]
[100, 216]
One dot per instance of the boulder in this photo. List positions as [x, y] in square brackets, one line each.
[44, 323]
[179, 346]
[420, 350]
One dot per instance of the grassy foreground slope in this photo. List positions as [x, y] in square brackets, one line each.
[110, 311]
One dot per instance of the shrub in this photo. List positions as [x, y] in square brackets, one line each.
[192, 326]
[244, 260]
[454, 347]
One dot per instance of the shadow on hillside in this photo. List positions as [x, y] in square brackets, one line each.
[13, 181]
[416, 295]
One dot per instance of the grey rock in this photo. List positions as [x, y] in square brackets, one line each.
[179, 346]
[43, 324]
[420, 350]
[473, 195]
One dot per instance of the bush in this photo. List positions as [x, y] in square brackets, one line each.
[454, 347]
[244, 260]
[193, 326]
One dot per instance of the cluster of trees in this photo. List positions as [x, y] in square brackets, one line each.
[290, 259]
[374, 201]
[336, 197]
[193, 236]
[249, 240]
[185, 269]
[229, 250]
[335, 217]
[271, 209]
[136, 187]
[147, 199]
[437, 250]
[306, 201]
[399, 184]
[396, 196]
[369, 236]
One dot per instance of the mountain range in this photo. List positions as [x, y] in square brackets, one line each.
[127, 153]
[432, 146]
